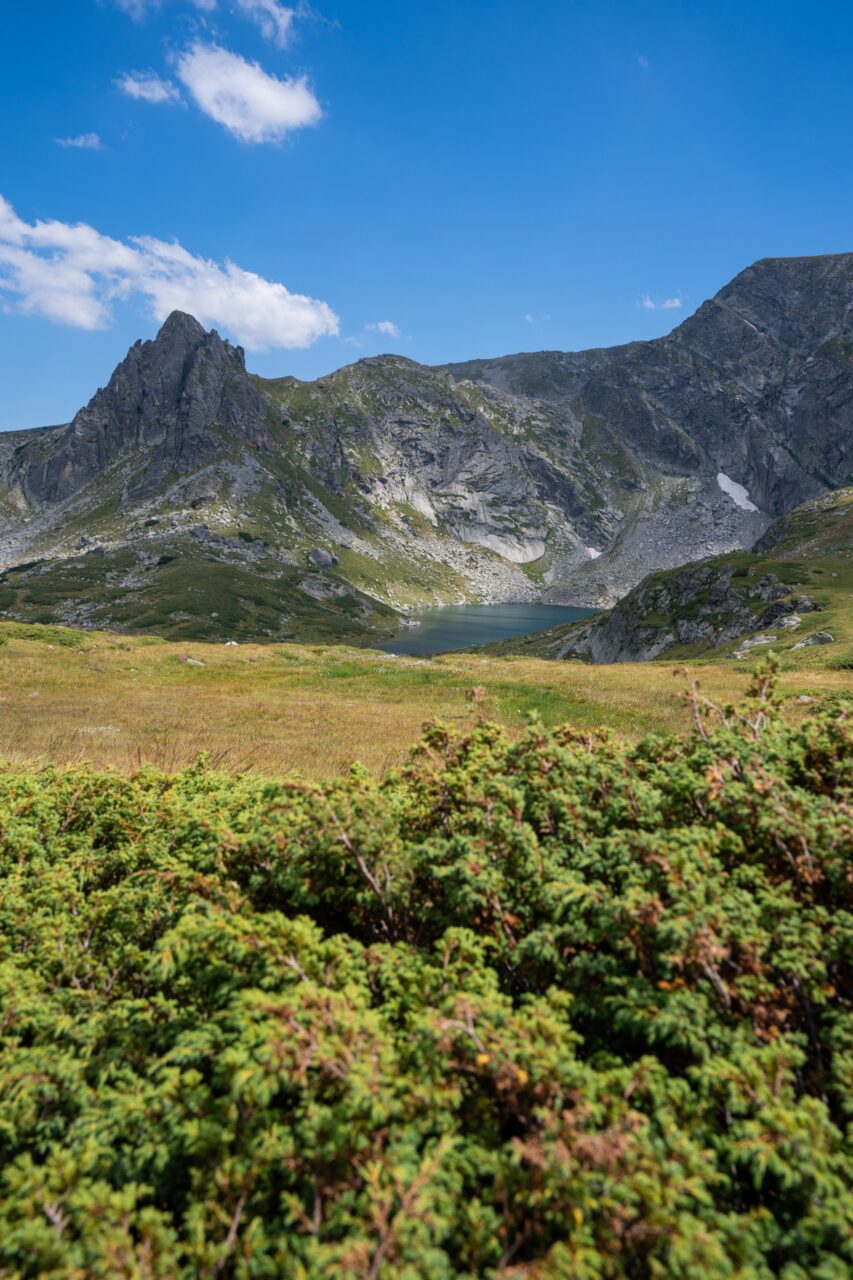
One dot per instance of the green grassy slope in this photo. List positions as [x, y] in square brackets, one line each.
[188, 596]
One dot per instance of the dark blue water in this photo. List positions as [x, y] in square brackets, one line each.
[459, 626]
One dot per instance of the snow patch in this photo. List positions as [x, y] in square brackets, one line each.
[592, 553]
[738, 494]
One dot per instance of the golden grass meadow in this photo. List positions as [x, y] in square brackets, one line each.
[124, 701]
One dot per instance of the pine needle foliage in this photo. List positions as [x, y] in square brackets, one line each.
[558, 1008]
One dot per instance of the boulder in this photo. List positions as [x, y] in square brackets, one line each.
[321, 559]
[819, 637]
[320, 588]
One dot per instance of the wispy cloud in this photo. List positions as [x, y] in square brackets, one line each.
[147, 86]
[72, 274]
[241, 96]
[643, 61]
[274, 19]
[139, 9]
[529, 317]
[388, 327]
[663, 304]
[83, 141]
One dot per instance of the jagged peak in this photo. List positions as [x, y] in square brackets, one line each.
[183, 332]
[177, 341]
[180, 324]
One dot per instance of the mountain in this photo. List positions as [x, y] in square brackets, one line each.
[193, 498]
[793, 591]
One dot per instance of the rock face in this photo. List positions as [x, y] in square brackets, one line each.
[166, 403]
[705, 604]
[799, 573]
[566, 477]
[758, 384]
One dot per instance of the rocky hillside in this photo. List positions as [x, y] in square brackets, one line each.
[193, 498]
[793, 591]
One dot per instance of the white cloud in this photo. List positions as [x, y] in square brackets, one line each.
[531, 319]
[667, 304]
[254, 106]
[274, 19]
[148, 87]
[387, 327]
[137, 9]
[85, 142]
[72, 274]
[643, 61]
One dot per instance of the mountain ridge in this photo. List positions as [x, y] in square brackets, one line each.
[561, 476]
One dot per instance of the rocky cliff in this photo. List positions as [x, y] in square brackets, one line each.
[564, 477]
[166, 407]
[757, 384]
[794, 590]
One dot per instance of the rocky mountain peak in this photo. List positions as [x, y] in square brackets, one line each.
[181, 327]
[182, 335]
[181, 347]
[169, 402]
[793, 304]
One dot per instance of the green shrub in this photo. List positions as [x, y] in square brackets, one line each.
[558, 1008]
[62, 637]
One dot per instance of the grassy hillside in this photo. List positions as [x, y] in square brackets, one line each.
[68, 695]
[557, 1010]
[180, 595]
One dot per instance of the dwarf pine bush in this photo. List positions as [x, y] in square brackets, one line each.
[553, 1008]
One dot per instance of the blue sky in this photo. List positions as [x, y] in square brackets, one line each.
[445, 180]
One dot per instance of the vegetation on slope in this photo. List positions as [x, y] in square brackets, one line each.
[558, 1008]
[183, 596]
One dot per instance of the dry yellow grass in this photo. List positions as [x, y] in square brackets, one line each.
[124, 702]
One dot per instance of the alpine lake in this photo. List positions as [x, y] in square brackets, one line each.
[463, 626]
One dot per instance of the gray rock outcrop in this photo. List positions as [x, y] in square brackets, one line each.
[819, 637]
[164, 405]
[700, 604]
